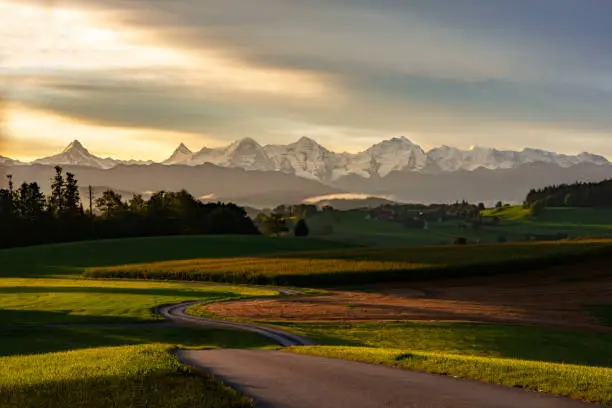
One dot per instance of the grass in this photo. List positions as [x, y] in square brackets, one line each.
[575, 222]
[77, 301]
[603, 313]
[72, 259]
[362, 266]
[68, 341]
[43, 340]
[127, 377]
[470, 339]
[353, 227]
[581, 382]
[562, 362]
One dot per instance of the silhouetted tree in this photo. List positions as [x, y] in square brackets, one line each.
[111, 204]
[30, 201]
[71, 197]
[56, 201]
[137, 204]
[272, 224]
[301, 229]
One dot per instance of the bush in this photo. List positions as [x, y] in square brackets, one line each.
[460, 241]
[301, 229]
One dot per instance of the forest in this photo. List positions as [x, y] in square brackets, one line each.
[29, 217]
[572, 195]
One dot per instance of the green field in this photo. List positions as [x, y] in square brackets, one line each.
[77, 301]
[353, 227]
[55, 327]
[72, 259]
[362, 266]
[127, 377]
[470, 339]
[93, 343]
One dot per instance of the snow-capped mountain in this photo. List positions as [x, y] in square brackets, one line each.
[245, 154]
[306, 158]
[397, 154]
[448, 158]
[182, 155]
[75, 154]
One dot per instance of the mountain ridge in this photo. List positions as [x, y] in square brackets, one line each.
[308, 159]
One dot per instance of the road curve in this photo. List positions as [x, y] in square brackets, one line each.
[277, 379]
[176, 313]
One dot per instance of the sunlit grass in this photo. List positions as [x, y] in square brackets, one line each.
[473, 339]
[582, 382]
[34, 301]
[127, 377]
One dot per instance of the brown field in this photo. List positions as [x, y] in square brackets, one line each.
[556, 297]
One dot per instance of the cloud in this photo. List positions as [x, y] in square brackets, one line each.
[457, 72]
[36, 133]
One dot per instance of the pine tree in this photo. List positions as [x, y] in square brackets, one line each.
[30, 201]
[56, 201]
[71, 196]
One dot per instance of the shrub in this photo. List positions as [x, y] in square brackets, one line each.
[301, 229]
[460, 241]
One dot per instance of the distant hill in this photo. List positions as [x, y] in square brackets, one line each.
[254, 188]
[489, 186]
[348, 201]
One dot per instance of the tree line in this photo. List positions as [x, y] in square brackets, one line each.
[29, 217]
[572, 195]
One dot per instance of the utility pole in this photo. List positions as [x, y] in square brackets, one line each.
[10, 183]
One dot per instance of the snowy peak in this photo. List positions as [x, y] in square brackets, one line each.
[75, 154]
[305, 158]
[182, 155]
[396, 154]
[76, 147]
[247, 154]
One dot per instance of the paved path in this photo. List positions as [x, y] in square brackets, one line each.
[176, 314]
[277, 379]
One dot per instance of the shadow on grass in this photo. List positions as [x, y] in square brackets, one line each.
[40, 340]
[21, 318]
[603, 313]
[74, 258]
[192, 293]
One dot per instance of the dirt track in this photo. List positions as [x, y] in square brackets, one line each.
[555, 297]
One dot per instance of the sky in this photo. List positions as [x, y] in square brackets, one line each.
[134, 78]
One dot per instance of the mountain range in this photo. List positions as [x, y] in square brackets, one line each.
[248, 173]
[308, 159]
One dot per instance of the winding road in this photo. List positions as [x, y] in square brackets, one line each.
[277, 379]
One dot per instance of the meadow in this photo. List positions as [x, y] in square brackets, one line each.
[353, 266]
[70, 341]
[66, 341]
[127, 377]
[353, 227]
